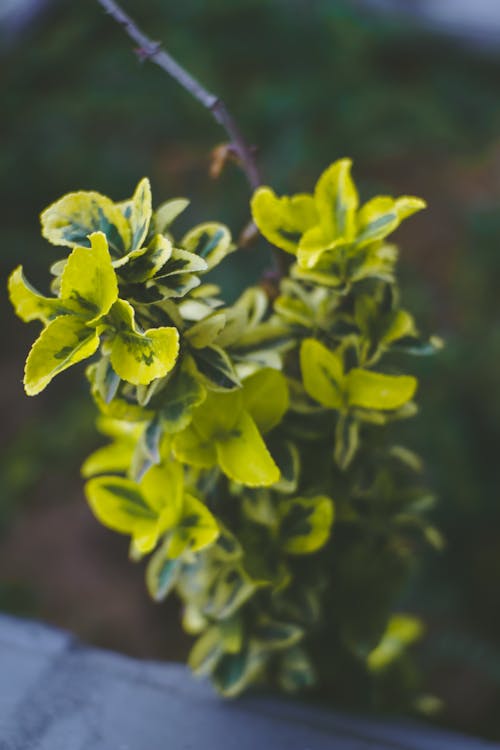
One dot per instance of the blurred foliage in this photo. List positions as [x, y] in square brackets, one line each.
[309, 80]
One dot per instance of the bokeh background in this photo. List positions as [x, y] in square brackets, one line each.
[412, 93]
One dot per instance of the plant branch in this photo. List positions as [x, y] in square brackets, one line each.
[153, 51]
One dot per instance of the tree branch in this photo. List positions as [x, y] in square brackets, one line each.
[153, 51]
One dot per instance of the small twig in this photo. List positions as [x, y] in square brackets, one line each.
[153, 51]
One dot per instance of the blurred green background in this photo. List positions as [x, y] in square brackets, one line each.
[309, 81]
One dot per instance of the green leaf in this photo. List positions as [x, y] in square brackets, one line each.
[147, 450]
[162, 574]
[179, 267]
[70, 220]
[282, 221]
[89, 280]
[63, 343]
[105, 380]
[227, 547]
[244, 457]
[28, 303]
[210, 241]
[372, 390]
[183, 395]
[382, 215]
[137, 357]
[216, 369]
[265, 397]
[235, 672]
[274, 635]
[296, 672]
[167, 213]
[306, 524]
[322, 374]
[196, 529]
[346, 440]
[287, 457]
[231, 589]
[418, 346]
[337, 200]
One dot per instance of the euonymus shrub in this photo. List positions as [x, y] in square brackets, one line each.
[249, 453]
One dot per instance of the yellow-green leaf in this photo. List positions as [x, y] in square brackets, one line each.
[322, 374]
[138, 357]
[192, 448]
[140, 213]
[196, 529]
[382, 215]
[399, 325]
[88, 279]
[210, 241]
[163, 488]
[402, 630]
[120, 505]
[216, 417]
[206, 652]
[180, 265]
[144, 263]
[283, 220]
[306, 524]
[337, 200]
[205, 331]
[314, 244]
[166, 214]
[28, 303]
[244, 457]
[265, 397]
[110, 458]
[71, 219]
[372, 390]
[64, 342]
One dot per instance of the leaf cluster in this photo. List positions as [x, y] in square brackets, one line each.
[249, 451]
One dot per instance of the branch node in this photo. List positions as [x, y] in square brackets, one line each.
[147, 52]
[237, 148]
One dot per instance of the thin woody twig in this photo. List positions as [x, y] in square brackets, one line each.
[153, 51]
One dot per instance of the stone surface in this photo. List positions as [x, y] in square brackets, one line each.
[56, 694]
